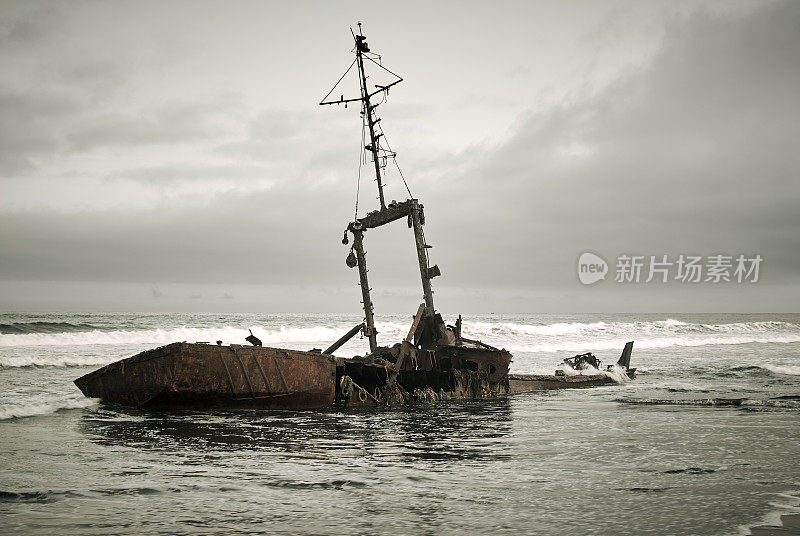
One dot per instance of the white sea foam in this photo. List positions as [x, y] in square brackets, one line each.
[670, 332]
[510, 328]
[783, 369]
[57, 360]
[62, 348]
[165, 336]
[666, 342]
[657, 327]
[32, 408]
[615, 372]
[59, 349]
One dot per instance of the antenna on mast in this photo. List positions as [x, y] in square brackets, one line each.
[367, 108]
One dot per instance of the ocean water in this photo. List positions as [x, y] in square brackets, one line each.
[705, 440]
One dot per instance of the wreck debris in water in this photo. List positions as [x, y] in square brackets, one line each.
[433, 362]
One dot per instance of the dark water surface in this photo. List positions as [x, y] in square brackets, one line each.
[706, 441]
[569, 462]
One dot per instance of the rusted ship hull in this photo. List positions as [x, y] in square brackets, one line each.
[197, 375]
[235, 376]
[185, 374]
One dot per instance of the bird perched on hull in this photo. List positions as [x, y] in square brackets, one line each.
[252, 339]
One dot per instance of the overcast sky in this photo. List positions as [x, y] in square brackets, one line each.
[172, 155]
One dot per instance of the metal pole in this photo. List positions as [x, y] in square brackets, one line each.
[367, 110]
[422, 256]
[358, 246]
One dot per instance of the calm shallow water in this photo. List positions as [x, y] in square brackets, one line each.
[661, 455]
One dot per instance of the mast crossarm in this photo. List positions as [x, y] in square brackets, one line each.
[361, 99]
[393, 212]
[340, 101]
[384, 88]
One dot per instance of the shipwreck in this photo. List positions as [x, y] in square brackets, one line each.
[434, 361]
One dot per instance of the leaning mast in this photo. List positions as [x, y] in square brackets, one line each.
[410, 209]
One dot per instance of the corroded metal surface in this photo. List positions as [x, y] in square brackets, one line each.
[523, 383]
[203, 374]
[184, 374]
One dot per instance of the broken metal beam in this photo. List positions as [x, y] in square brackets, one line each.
[393, 212]
[411, 332]
[344, 338]
[415, 324]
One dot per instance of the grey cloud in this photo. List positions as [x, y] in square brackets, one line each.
[279, 236]
[307, 136]
[26, 26]
[695, 152]
[168, 124]
[188, 171]
[100, 79]
[276, 125]
[54, 123]
[63, 98]
[26, 126]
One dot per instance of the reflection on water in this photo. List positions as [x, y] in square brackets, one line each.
[572, 462]
[456, 430]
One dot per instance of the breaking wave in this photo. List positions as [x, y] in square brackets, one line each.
[227, 334]
[666, 342]
[510, 328]
[60, 360]
[44, 327]
[564, 337]
[658, 327]
[32, 409]
[791, 370]
[783, 369]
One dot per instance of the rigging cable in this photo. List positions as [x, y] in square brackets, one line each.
[338, 81]
[361, 157]
[384, 68]
[394, 159]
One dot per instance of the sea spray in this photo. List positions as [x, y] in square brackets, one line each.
[615, 372]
